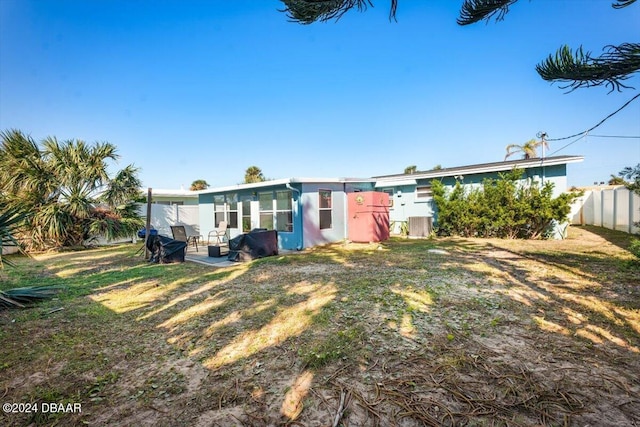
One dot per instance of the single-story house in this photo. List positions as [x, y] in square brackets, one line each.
[305, 211]
[312, 211]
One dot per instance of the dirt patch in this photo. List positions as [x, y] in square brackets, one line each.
[483, 332]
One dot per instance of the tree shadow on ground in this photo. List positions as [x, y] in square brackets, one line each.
[398, 334]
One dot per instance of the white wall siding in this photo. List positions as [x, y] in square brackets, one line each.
[313, 235]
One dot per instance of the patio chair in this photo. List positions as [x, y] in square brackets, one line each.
[218, 235]
[180, 233]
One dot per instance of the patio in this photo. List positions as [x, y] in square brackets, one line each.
[201, 256]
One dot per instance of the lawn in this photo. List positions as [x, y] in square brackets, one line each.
[408, 333]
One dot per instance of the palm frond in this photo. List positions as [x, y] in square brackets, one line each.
[10, 221]
[123, 188]
[619, 4]
[23, 297]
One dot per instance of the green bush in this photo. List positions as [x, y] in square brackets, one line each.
[506, 207]
[634, 247]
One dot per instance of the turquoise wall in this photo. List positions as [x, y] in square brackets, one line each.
[286, 240]
[406, 204]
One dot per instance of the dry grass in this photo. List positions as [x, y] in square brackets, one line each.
[489, 332]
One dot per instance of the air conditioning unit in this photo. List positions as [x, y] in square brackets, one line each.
[420, 226]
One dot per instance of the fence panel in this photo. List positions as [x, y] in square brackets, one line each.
[164, 216]
[613, 208]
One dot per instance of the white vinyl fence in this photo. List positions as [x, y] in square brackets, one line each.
[614, 208]
[164, 216]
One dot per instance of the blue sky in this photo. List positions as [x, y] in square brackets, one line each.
[203, 89]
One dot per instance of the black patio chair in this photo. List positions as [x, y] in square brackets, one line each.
[180, 233]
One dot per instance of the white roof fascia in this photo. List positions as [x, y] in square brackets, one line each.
[282, 182]
[531, 163]
[171, 193]
[238, 187]
[395, 183]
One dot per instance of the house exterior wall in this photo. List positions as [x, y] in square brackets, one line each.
[307, 214]
[286, 239]
[405, 202]
[305, 207]
[310, 209]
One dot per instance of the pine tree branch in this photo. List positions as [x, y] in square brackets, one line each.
[473, 11]
[619, 4]
[578, 69]
[310, 11]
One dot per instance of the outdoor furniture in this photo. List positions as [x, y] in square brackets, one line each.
[218, 235]
[180, 234]
[217, 251]
[164, 250]
[258, 243]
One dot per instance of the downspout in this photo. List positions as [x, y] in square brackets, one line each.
[299, 214]
[346, 211]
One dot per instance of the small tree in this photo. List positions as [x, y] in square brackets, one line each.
[66, 190]
[504, 208]
[616, 180]
[199, 184]
[633, 175]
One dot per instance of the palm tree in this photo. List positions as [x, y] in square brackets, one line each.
[199, 184]
[410, 169]
[253, 174]
[529, 149]
[66, 188]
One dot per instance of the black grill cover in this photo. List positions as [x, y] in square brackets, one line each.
[256, 244]
[165, 250]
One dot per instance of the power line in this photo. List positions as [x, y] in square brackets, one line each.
[571, 143]
[614, 136]
[599, 123]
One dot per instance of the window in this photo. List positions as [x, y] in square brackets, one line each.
[225, 208]
[265, 203]
[246, 215]
[284, 212]
[389, 191]
[232, 210]
[325, 208]
[424, 192]
[218, 209]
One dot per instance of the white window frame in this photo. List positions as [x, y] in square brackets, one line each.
[321, 209]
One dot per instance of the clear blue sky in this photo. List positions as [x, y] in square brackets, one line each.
[203, 89]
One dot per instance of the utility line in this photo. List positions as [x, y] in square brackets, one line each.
[601, 122]
[571, 143]
[614, 136]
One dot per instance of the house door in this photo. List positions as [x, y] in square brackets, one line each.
[250, 215]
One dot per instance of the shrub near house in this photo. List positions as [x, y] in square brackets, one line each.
[504, 208]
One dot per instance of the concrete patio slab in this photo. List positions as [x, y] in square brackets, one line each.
[201, 256]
